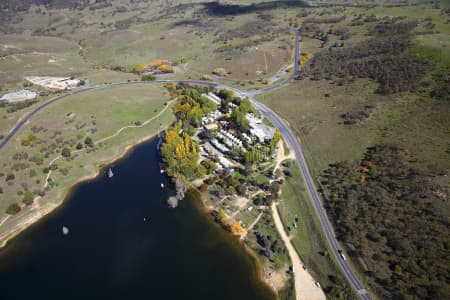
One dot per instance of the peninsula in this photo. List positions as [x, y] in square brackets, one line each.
[315, 132]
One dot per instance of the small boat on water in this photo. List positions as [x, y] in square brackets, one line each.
[65, 230]
[110, 173]
[162, 185]
[161, 171]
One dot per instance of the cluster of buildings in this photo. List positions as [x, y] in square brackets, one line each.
[47, 82]
[55, 83]
[262, 132]
[230, 140]
[213, 97]
[224, 142]
[211, 117]
[18, 96]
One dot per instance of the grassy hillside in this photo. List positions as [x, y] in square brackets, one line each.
[66, 141]
[360, 90]
[376, 75]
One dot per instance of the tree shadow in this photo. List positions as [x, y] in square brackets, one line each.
[220, 9]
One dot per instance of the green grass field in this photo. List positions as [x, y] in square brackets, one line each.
[79, 44]
[308, 241]
[417, 123]
[314, 111]
[89, 43]
[98, 115]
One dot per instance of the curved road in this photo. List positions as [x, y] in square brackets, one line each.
[291, 140]
[286, 132]
[16, 128]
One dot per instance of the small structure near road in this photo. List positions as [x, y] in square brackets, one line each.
[213, 97]
[258, 129]
[18, 96]
[55, 83]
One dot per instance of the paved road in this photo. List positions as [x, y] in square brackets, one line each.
[292, 142]
[291, 139]
[277, 121]
[249, 94]
[295, 72]
[16, 128]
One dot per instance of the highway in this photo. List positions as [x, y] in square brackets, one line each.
[27, 118]
[278, 122]
[292, 142]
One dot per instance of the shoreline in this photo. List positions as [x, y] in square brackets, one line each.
[41, 213]
[66, 192]
[259, 271]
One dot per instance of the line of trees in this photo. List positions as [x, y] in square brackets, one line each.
[191, 107]
[179, 150]
[180, 154]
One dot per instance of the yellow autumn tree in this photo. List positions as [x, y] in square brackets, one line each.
[157, 63]
[187, 142]
[139, 68]
[219, 71]
[179, 152]
[303, 58]
[362, 179]
[180, 60]
[165, 68]
[172, 88]
[181, 109]
[224, 220]
[236, 228]
[221, 214]
[275, 139]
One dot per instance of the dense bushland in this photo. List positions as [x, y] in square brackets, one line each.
[393, 216]
[383, 58]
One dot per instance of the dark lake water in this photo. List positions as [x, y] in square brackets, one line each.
[112, 253]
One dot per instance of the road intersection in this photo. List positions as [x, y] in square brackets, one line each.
[278, 122]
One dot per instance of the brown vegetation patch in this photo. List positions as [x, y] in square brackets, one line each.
[357, 116]
[382, 59]
[247, 30]
[393, 215]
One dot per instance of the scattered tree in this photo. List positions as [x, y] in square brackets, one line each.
[219, 71]
[65, 152]
[28, 198]
[88, 141]
[13, 209]
[148, 77]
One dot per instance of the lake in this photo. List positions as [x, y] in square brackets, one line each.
[112, 252]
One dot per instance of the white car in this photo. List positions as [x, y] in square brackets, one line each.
[341, 254]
